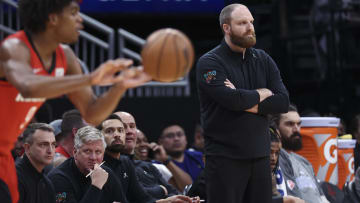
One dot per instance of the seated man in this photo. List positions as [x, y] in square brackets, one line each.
[298, 172]
[34, 185]
[114, 131]
[179, 177]
[71, 122]
[71, 180]
[148, 175]
[279, 194]
[174, 141]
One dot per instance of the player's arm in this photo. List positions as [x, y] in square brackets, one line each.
[95, 109]
[15, 66]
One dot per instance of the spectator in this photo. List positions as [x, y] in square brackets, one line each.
[115, 134]
[70, 178]
[298, 172]
[180, 177]
[199, 141]
[34, 185]
[71, 122]
[174, 141]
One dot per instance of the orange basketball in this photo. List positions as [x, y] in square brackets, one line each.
[167, 55]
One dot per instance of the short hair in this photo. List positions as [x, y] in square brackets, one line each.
[225, 15]
[87, 134]
[276, 118]
[35, 13]
[71, 119]
[31, 128]
[112, 116]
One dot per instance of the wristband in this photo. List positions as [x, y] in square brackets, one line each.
[167, 161]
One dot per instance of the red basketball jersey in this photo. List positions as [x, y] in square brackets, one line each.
[17, 111]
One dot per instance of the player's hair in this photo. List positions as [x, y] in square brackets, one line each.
[275, 137]
[35, 13]
[30, 130]
[225, 15]
[112, 116]
[87, 134]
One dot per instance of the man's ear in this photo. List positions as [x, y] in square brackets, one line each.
[226, 28]
[26, 147]
[74, 131]
[53, 19]
[74, 153]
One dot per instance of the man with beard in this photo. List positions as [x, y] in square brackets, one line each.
[298, 172]
[238, 87]
[114, 132]
[179, 178]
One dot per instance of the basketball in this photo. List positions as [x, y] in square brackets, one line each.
[167, 55]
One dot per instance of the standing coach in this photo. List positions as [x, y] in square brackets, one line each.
[238, 87]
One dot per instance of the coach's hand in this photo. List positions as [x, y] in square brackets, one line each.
[99, 177]
[264, 93]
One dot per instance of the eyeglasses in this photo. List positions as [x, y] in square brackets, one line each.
[172, 135]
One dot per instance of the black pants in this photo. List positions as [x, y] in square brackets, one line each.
[5, 196]
[238, 180]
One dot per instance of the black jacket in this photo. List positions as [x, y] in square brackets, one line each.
[125, 171]
[72, 186]
[229, 130]
[151, 179]
[34, 187]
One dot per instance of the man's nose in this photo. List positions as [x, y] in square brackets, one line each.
[92, 155]
[296, 128]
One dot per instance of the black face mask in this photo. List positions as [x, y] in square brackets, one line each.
[292, 143]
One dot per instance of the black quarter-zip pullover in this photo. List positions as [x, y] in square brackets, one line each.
[34, 187]
[229, 130]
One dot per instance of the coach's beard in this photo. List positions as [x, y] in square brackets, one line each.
[245, 42]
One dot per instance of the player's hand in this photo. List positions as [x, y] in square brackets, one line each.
[99, 177]
[133, 77]
[106, 73]
[229, 84]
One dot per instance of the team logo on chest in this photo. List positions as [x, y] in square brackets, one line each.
[209, 76]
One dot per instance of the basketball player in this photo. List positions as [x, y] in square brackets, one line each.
[34, 66]
[238, 86]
